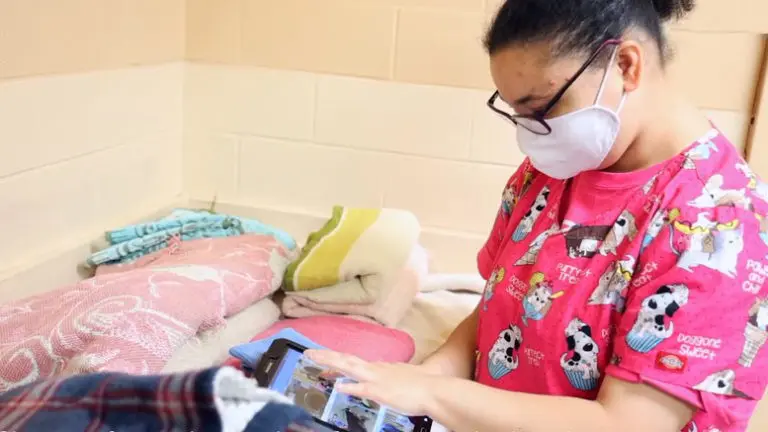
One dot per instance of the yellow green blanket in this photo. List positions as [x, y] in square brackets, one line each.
[365, 263]
[355, 242]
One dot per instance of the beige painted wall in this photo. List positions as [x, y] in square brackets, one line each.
[381, 102]
[90, 122]
[44, 37]
[389, 92]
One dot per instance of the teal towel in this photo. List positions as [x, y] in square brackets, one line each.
[181, 217]
[133, 242]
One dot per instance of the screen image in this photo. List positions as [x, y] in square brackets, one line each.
[311, 388]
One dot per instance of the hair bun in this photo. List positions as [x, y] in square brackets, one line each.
[673, 9]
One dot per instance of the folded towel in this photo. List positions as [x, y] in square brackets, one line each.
[216, 399]
[363, 262]
[135, 241]
[392, 294]
[354, 244]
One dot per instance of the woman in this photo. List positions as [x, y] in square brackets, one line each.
[625, 265]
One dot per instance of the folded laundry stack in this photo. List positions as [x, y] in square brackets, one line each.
[365, 263]
[130, 243]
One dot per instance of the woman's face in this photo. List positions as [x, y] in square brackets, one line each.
[528, 78]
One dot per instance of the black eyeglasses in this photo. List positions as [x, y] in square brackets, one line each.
[536, 122]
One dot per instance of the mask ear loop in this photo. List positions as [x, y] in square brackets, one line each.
[605, 79]
[621, 102]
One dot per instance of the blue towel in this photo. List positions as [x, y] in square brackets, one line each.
[250, 353]
[135, 241]
[181, 217]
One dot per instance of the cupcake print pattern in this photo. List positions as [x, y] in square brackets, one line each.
[653, 324]
[538, 300]
[665, 282]
[504, 355]
[580, 362]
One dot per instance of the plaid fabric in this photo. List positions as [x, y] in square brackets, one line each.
[209, 400]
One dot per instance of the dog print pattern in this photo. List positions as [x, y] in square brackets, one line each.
[529, 219]
[503, 357]
[613, 284]
[580, 362]
[658, 274]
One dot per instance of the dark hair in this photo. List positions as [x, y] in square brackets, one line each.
[581, 26]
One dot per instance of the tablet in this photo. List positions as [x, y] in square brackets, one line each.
[284, 368]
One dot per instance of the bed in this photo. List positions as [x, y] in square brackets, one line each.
[177, 308]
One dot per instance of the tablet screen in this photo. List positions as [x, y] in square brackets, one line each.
[306, 384]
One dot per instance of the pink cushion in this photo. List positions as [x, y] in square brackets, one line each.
[369, 341]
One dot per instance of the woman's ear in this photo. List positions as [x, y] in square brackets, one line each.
[631, 58]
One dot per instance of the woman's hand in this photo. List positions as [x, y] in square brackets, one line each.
[402, 387]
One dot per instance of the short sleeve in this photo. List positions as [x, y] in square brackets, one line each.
[696, 320]
[515, 187]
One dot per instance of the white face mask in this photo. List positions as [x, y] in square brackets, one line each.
[579, 141]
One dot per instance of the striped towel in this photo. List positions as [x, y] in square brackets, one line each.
[363, 262]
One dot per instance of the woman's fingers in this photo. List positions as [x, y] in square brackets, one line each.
[348, 365]
[330, 374]
[361, 390]
[325, 357]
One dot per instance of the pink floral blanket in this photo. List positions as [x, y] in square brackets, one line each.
[132, 318]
